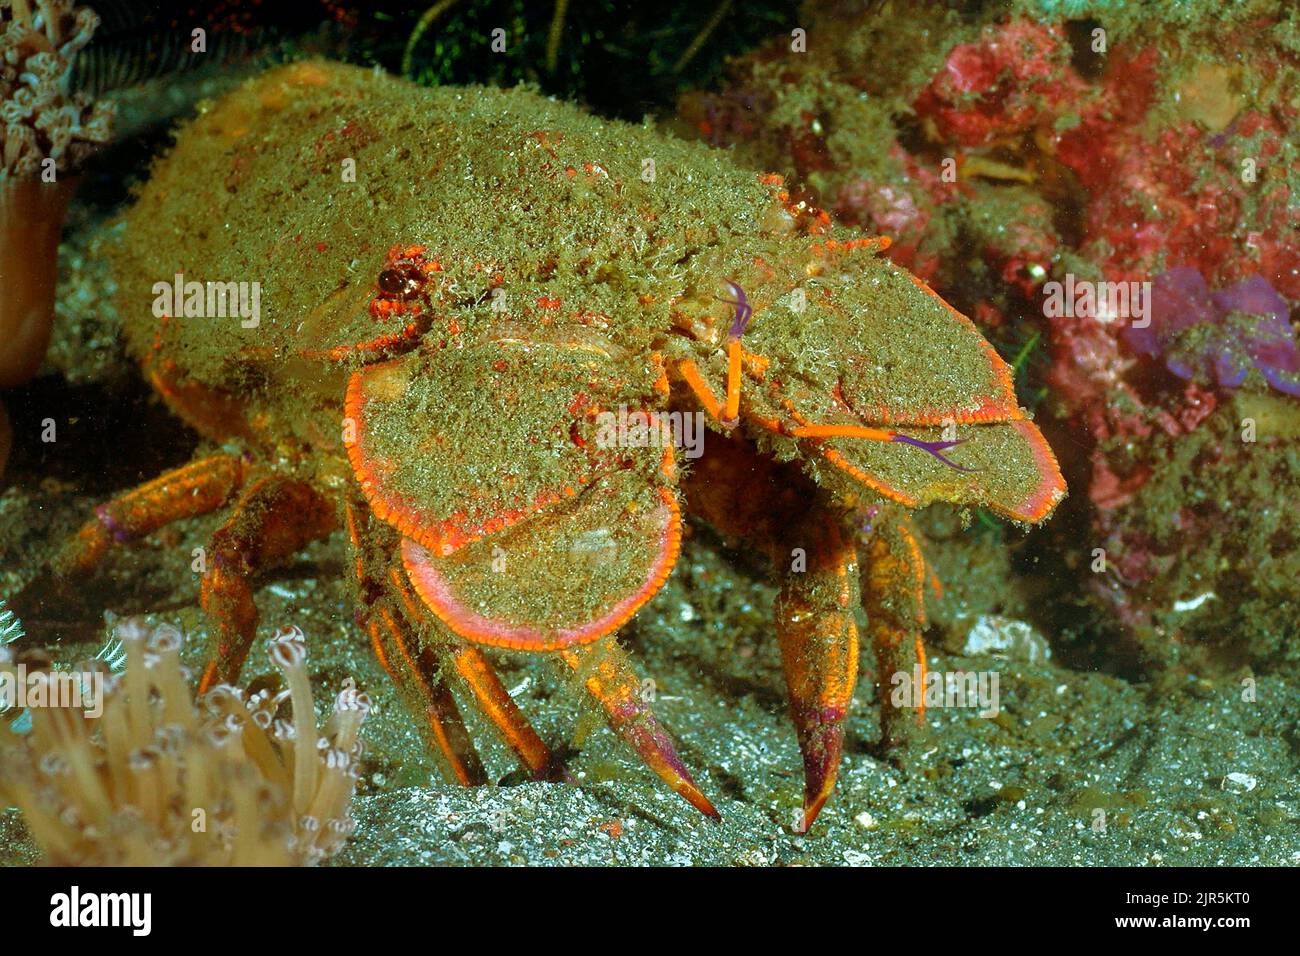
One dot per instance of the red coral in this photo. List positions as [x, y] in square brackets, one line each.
[1092, 148]
[1153, 202]
[1015, 78]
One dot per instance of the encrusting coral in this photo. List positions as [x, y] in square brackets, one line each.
[46, 131]
[160, 779]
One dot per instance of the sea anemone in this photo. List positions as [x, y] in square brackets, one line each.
[1218, 337]
[160, 780]
[45, 133]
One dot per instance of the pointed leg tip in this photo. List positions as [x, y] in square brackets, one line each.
[812, 808]
[670, 769]
[556, 772]
[660, 756]
[823, 747]
[819, 783]
[689, 791]
[700, 802]
[615, 685]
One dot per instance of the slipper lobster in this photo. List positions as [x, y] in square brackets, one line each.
[454, 293]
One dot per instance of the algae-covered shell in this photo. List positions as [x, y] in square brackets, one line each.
[310, 191]
[303, 179]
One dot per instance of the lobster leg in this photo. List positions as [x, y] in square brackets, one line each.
[819, 652]
[607, 675]
[490, 695]
[417, 672]
[421, 674]
[273, 520]
[893, 593]
[749, 497]
[193, 489]
[496, 704]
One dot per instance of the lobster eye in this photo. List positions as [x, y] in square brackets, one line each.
[401, 282]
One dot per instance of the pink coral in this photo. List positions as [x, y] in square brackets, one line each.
[1015, 78]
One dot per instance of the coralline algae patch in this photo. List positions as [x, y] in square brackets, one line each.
[1231, 597]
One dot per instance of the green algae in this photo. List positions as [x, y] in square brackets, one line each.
[435, 426]
[571, 566]
[505, 189]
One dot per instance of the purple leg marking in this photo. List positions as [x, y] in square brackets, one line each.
[934, 448]
[120, 535]
[743, 310]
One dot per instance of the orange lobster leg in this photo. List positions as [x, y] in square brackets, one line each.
[496, 704]
[690, 373]
[749, 497]
[608, 677]
[491, 696]
[417, 673]
[421, 677]
[273, 520]
[731, 410]
[727, 410]
[194, 489]
[819, 653]
[893, 593]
